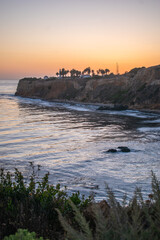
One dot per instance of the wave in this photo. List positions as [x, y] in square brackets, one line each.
[149, 129]
[80, 107]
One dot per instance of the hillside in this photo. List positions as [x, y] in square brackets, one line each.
[139, 88]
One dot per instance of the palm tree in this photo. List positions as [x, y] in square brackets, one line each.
[63, 72]
[87, 70]
[60, 72]
[78, 73]
[66, 72]
[107, 70]
[72, 72]
[101, 71]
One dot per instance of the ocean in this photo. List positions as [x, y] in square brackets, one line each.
[70, 141]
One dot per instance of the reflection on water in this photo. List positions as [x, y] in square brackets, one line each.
[71, 144]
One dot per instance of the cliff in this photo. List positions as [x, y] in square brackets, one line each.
[139, 88]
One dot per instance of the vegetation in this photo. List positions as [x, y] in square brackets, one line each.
[87, 70]
[138, 220]
[23, 234]
[39, 207]
[31, 204]
[76, 73]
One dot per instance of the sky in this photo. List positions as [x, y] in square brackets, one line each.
[38, 37]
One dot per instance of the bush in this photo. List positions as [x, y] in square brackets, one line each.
[138, 220]
[31, 205]
[23, 234]
[51, 213]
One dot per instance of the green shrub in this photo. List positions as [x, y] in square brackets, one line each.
[138, 220]
[23, 234]
[48, 211]
[31, 205]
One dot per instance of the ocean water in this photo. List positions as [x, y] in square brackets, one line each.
[71, 142]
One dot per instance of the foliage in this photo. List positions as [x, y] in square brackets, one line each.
[63, 72]
[75, 73]
[139, 220]
[49, 212]
[87, 70]
[23, 234]
[31, 205]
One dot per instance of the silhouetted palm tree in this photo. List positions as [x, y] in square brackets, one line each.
[63, 72]
[78, 73]
[66, 72]
[87, 70]
[101, 71]
[107, 70]
[73, 72]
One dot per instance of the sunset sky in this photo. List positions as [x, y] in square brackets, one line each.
[37, 37]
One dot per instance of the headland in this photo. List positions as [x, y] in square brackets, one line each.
[138, 89]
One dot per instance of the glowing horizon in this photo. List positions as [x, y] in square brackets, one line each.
[40, 37]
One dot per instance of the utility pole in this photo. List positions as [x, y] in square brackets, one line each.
[117, 69]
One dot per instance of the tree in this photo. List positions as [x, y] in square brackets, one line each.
[107, 70]
[66, 72]
[78, 73]
[73, 72]
[87, 70]
[63, 72]
[60, 72]
[102, 71]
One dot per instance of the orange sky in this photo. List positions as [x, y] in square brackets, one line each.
[39, 37]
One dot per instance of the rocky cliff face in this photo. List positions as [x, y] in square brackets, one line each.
[140, 88]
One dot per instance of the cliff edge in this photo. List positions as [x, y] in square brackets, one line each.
[139, 88]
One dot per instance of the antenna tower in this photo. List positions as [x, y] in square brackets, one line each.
[117, 69]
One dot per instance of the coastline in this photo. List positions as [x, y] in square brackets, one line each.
[97, 104]
[138, 90]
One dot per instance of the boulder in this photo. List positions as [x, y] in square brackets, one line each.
[119, 149]
[112, 150]
[124, 149]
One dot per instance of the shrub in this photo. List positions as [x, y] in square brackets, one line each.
[51, 213]
[23, 234]
[31, 205]
[138, 220]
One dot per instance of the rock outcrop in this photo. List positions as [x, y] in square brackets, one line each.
[139, 88]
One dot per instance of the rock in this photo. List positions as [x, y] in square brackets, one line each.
[101, 108]
[117, 107]
[112, 150]
[120, 149]
[124, 149]
[120, 107]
